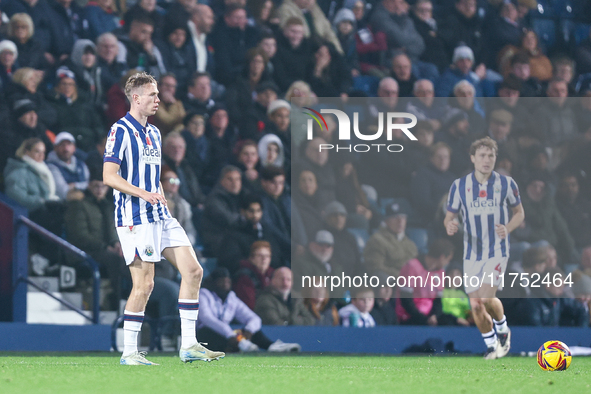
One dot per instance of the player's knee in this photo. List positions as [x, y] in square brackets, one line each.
[195, 273]
[477, 306]
[145, 288]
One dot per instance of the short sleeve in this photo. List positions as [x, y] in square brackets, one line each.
[513, 197]
[116, 144]
[453, 199]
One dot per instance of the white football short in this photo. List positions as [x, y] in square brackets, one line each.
[477, 273]
[147, 241]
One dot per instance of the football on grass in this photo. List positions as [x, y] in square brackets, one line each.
[554, 356]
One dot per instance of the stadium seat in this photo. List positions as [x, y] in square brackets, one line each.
[361, 236]
[420, 237]
[546, 30]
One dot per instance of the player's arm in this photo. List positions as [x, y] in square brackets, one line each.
[451, 223]
[113, 179]
[516, 220]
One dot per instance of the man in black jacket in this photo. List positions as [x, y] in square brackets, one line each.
[292, 45]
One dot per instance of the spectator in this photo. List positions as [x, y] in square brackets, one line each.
[178, 207]
[70, 173]
[112, 70]
[278, 113]
[316, 25]
[247, 230]
[391, 17]
[346, 27]
[221, 306]
[358, 312]
[435, 51]
[222, 138]
[430, 183]
[509, 99]
[248, 162]
[26, 84]
[563, 69]
[75, 114]
[27, 178]
[575, 209]
[275, 305]
[197, 150]
[351, 195]
[463, 98]
[137, 48]
[317, 260]
[402, 73]
[88, 77]
[456, 134]
[200, 25]
[154, 11]
[316, 161]
[271, 152]
[171, 112]
[389, 248]
[174, 155]
[388, 93]
[455, 303]
[503, 29]
[463, 25]
[583, 55]
[556, 122]
[100, 18]
[384, 308]
[66, 27]
[198, 97]
[292, 45]
[346, 251]
[421, 151]
[231, 38]
[221, 210]
[539, 64]
[327, 73]
[421, 305]
[254, 274]
[262, 15]
[8, 56]
[176, 52]
[26, 125]
[371, 46]
[544, 222]
[268, 44]
[90, 227]
[461, 69]
[500, 125]
[21, 31]
[425, 107]
[321, 306]
[519, 66]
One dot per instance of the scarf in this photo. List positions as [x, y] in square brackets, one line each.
[45, 174]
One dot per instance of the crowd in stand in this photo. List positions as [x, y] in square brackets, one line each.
[258, 196]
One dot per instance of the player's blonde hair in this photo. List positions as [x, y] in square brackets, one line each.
[137, 81]
[485, 142]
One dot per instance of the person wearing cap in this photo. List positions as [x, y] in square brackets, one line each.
[388, 249]
[346, 251]
[171, 113]
[460, 69]
[8, 56]
[69, 171]
[221, 306]
[83, 62]
[249, 228]
[76, 114]
[277, 307]
[317, 260]
[345, 25]
[90, 227]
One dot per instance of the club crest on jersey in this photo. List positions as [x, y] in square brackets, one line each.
[149, 250]
[497, 190]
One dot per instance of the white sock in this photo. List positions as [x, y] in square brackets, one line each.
[132, 325]
[490, 338]
[501, 325]
[189, 311]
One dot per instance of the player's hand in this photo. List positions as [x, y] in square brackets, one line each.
[501, 231]
[154, 198]
[452, 227]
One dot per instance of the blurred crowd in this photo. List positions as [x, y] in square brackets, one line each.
[256, 196]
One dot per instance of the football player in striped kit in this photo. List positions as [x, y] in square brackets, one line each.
[484, 198]
[147, 231]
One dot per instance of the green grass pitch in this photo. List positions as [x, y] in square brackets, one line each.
[306, 373]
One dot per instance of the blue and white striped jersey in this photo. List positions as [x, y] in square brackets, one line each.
[138, 151]
[483, 206]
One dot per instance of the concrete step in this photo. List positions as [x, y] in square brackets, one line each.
[57, 317]
[37, 301]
